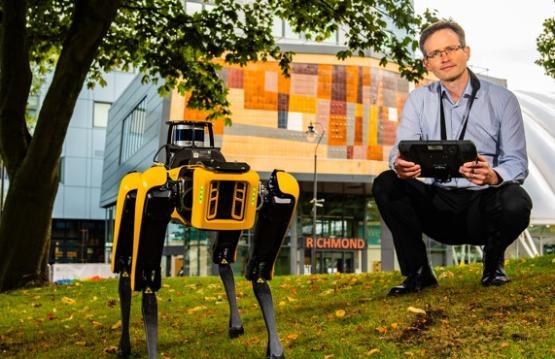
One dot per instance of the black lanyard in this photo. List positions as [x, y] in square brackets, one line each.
[475, 84]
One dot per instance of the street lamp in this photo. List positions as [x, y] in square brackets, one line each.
[312, 135]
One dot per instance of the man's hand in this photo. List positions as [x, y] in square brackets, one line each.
[406, 169]
[479, 172]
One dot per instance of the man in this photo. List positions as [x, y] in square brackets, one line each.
[486, 206]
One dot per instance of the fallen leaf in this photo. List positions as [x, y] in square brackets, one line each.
[68, 318]
[50, 316]
[373, 351]
[292, 336]
[409, 354]
[67, 300]
[447, 274]
[196, 309]
[35, 305]
[394, 325]
[282, 303]
[329, 356]
[504, 345]
[117, 325]
[340, 313]
[416, 310]
[81, 343]
[111, 349]
[96, 323]
[291, 299]
[382, 330]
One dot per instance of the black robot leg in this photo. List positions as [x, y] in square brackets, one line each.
[264, 297]
[150, 320]
[146, 272]
[124, 289]
[275, 214]
[224, 251]
[123, 250]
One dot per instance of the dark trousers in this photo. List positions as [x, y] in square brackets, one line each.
[493, 217]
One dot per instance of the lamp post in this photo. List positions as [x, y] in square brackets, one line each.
[312, 135]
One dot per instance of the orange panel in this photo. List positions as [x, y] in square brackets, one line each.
[375, 153]
[337, 131]
[302, 104]
[284, 84]
[324, 81]
[253, 83]
[366, 77]
[352, 83]
[358, 130]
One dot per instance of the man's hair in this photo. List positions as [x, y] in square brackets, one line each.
[441, 25]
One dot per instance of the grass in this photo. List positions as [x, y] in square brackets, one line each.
[324, 316]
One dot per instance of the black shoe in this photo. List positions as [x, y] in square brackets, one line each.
[494, 273]
[415, 282]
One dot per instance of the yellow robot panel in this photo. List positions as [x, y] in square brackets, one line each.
[288, 184]
[224, 201]
[129, 183]
[152, 177]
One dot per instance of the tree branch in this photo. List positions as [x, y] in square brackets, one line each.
[90, 23]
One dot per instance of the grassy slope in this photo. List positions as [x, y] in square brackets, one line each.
[463, 319]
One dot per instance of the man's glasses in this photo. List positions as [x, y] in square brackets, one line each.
[447, 51]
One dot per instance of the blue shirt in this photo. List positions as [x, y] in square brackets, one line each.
[494, 125]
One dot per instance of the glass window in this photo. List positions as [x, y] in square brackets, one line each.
[100, 114]
[133, 131]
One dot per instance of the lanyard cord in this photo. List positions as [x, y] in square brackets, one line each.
[475, 84]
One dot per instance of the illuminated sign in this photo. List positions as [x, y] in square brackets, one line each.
[335, 243]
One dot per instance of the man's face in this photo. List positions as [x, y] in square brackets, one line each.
[450, 58]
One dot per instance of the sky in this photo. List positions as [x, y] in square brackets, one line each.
[502, 36]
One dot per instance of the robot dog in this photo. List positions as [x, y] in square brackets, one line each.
[197, 187]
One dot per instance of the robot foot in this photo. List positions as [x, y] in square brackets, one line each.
[124, 349]
[235, 332]
[270, 355]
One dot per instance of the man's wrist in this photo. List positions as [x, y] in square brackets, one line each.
[493, 178]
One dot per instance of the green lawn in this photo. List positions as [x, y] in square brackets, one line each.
[324, 316]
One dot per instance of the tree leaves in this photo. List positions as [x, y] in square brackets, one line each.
[545, 44]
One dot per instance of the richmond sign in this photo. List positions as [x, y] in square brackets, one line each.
[335, 243]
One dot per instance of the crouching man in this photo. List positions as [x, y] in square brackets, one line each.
[486, 206]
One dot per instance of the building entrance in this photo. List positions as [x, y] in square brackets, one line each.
[335, 261]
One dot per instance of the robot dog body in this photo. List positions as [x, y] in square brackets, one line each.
[198, 188]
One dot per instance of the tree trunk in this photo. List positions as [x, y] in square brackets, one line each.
[32, 166]
[24, 229]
